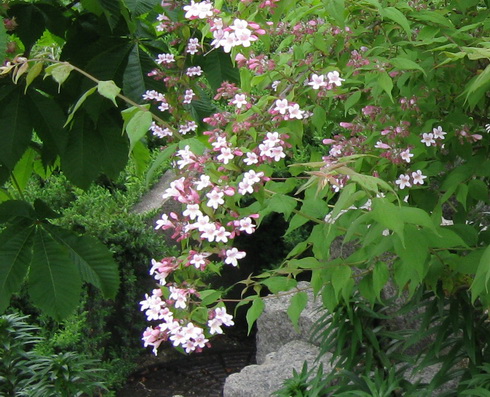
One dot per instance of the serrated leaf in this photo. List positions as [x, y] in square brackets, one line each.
[54, 280]
[254, 312]
[278, 284]
[218, 67]
[92, 258]
[15, 257]
[109, 90]
[296, 306]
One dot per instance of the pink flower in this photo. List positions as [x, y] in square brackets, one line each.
[438, 133]
[334, 78]
[317, 81]
[247, 225]
[282, 106]
[215, 199]
[295, 112]
[201, 10]
[232, 255]
[406, 155]
[239, 101]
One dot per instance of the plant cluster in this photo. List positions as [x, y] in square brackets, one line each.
[365, 121]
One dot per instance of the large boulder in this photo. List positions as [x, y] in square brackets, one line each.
[262, 380]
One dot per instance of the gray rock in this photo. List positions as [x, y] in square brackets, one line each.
[274, 328]
[262, 380]
[153, 199]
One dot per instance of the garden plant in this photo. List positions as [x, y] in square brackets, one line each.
[360, 121]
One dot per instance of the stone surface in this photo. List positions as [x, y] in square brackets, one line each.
[274, 329]
[153, 199]
[262, 380]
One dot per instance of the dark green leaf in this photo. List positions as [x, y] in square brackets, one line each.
[31, 23]
[217, 68]
[15, 128]
[138, 7]
[15, 257]
[43, 211]
[3, 43]
[15, 208]
[93, 259]
[54, 280]
[135, 74]
[113, 146]
[397, 16]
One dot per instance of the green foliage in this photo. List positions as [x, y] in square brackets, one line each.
[24, 372]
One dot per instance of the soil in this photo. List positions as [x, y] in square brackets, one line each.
[198, 375]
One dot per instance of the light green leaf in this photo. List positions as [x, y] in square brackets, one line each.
[15, 257]
[414, 252]
[168, 152]
[59, 72]
[254, 312]
[209, 296]
[34, 71]
[389, 216]
[54, 280]
[138, 126]
[109, 90]
[381, 274]
[296, 306]
[352, 100]
[23, 169]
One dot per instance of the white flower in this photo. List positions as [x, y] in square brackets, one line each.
[232, 255]
[199, 10]
[404, 181]
[252, 158]
[406, 155]
[192, 211]
[428, 139]
[239, 101]
[215, 199]
[295, 112]
[317, 81]
[334, 78]
[203, 182]
[282, 106]
[246, 225]
[438, 133]
[418, 178]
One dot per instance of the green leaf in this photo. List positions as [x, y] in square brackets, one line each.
[92, 258]
[416, 216]
[79, 103]
[54, 280]
[282, 204]
[12, 209]
[34, 71]
[15, 257]
[481, 282]
[160, 159]
[432, 17]
[352, 100]
[414, 252]
[218, 67]
[381, 274]
[23, 169]
[386, 83]
[477, 87]
[406, 64]
[59, 72]
[135, 79]
[396, 16]
[340, 278]
[336, 9]
[254, 312]
[389, 216]
[15, 128]
[109, 90]
[296, 306]
[209, 296]
[31, 23]
[319, 117]
[278, 284]
[138, 7]
[3, 43]
[137, 126]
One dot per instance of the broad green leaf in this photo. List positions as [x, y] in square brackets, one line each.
[112, 11]
[296, 306]
[282, 204]
[109, 90]
[135, 79]
[433, 17]
[278, 284]
[336, 9]
[59, 72]
[254, 312]
[15, 127]
[43, 211]
[12, 209]
[397, 16]
[389, 216]
[138, 7]
[79, 103]
[481, 83]
[415, 251]
[15, 257]
[113, 146]
[329, 298]
[54, 280]
[319, 117]
[137, 127]
[92, 258]
[416, 216]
